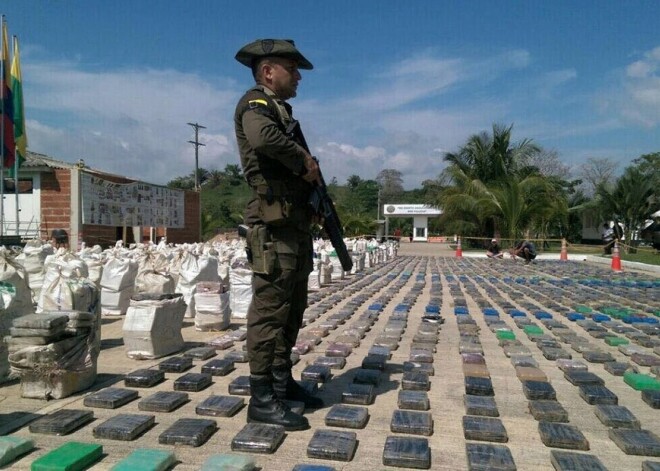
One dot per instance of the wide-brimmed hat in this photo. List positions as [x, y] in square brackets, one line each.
[249, 53]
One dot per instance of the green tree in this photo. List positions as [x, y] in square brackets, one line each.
[630, 201]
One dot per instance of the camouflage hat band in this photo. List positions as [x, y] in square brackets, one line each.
[260, 48]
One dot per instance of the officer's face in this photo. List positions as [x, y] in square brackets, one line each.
[282, 76]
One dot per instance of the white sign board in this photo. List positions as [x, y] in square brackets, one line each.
[106, 203]
[410, 210]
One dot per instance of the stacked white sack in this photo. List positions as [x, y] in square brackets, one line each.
[212, 311]
[152, 327]
[193, 270]
[33, 258]
[240, 287]
[117, 285]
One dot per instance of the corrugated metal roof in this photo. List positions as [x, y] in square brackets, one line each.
[34, 159]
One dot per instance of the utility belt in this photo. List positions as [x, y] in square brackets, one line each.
[279, 202]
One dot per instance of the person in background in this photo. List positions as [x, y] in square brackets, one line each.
[494, 250]
[608, 238]
[524, 249]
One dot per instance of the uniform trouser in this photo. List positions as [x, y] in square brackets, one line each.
[278, 302]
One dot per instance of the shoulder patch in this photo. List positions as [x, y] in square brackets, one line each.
[258, 102]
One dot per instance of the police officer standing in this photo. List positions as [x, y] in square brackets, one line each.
[280, 170]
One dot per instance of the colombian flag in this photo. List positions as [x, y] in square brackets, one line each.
[19, 115]
[7, 103]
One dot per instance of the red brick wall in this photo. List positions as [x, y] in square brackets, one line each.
[191, 232]
[56, 213]
[55, 202]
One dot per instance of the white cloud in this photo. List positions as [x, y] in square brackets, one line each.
[131, 122]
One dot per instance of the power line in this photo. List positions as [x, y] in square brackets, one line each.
[196, 143]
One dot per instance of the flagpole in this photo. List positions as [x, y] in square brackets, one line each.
[2, 131]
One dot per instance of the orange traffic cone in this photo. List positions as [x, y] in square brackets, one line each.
[563, 255]
[616, 257]
[459, 249]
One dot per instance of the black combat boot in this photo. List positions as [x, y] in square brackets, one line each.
[265, 407]
[287, 388]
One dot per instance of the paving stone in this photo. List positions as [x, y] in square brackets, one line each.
[562, 436]
[175, 364]
[484, 429]
[413, 400]
[258, 438]
[406, 421]
[361, 394]
[407, 452]
[616, 416]
[218, 367]
[163, 401]
[146, 459]
[548, 411]
[110, 398]
[595, 394]
[72, 456]
[193, 382]
[62, 422]
[347, 416]
[220, 406]
[332, 445]
[192, 432]
[124, 426]
[635, 442]
[486, 457]
[480, 405]
[143, 378]
[570, 461]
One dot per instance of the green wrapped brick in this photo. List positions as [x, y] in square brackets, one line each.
[145, 459]
[72, 456]
[13, 447]
[222, 462]
[641, 382]
[505, 335]
[533, 330]
[615, 341]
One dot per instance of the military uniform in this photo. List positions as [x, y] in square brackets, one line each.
[278, 241]
[279, 217]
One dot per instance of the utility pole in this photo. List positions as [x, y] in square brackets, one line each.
[196, 143]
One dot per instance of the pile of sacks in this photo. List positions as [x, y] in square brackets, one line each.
[54, 353]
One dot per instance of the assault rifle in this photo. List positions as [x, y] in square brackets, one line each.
[323, 206]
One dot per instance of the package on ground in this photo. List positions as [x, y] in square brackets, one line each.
[119, 274]
[194, 269]
[240, 287]
[152, 328]
[314, 280]
[32, 259]
[55, 353]
[115, 303]
[212, 310]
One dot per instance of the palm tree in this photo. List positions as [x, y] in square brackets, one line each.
[630, 201]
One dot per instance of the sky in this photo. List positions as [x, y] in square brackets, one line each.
[395, 85]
